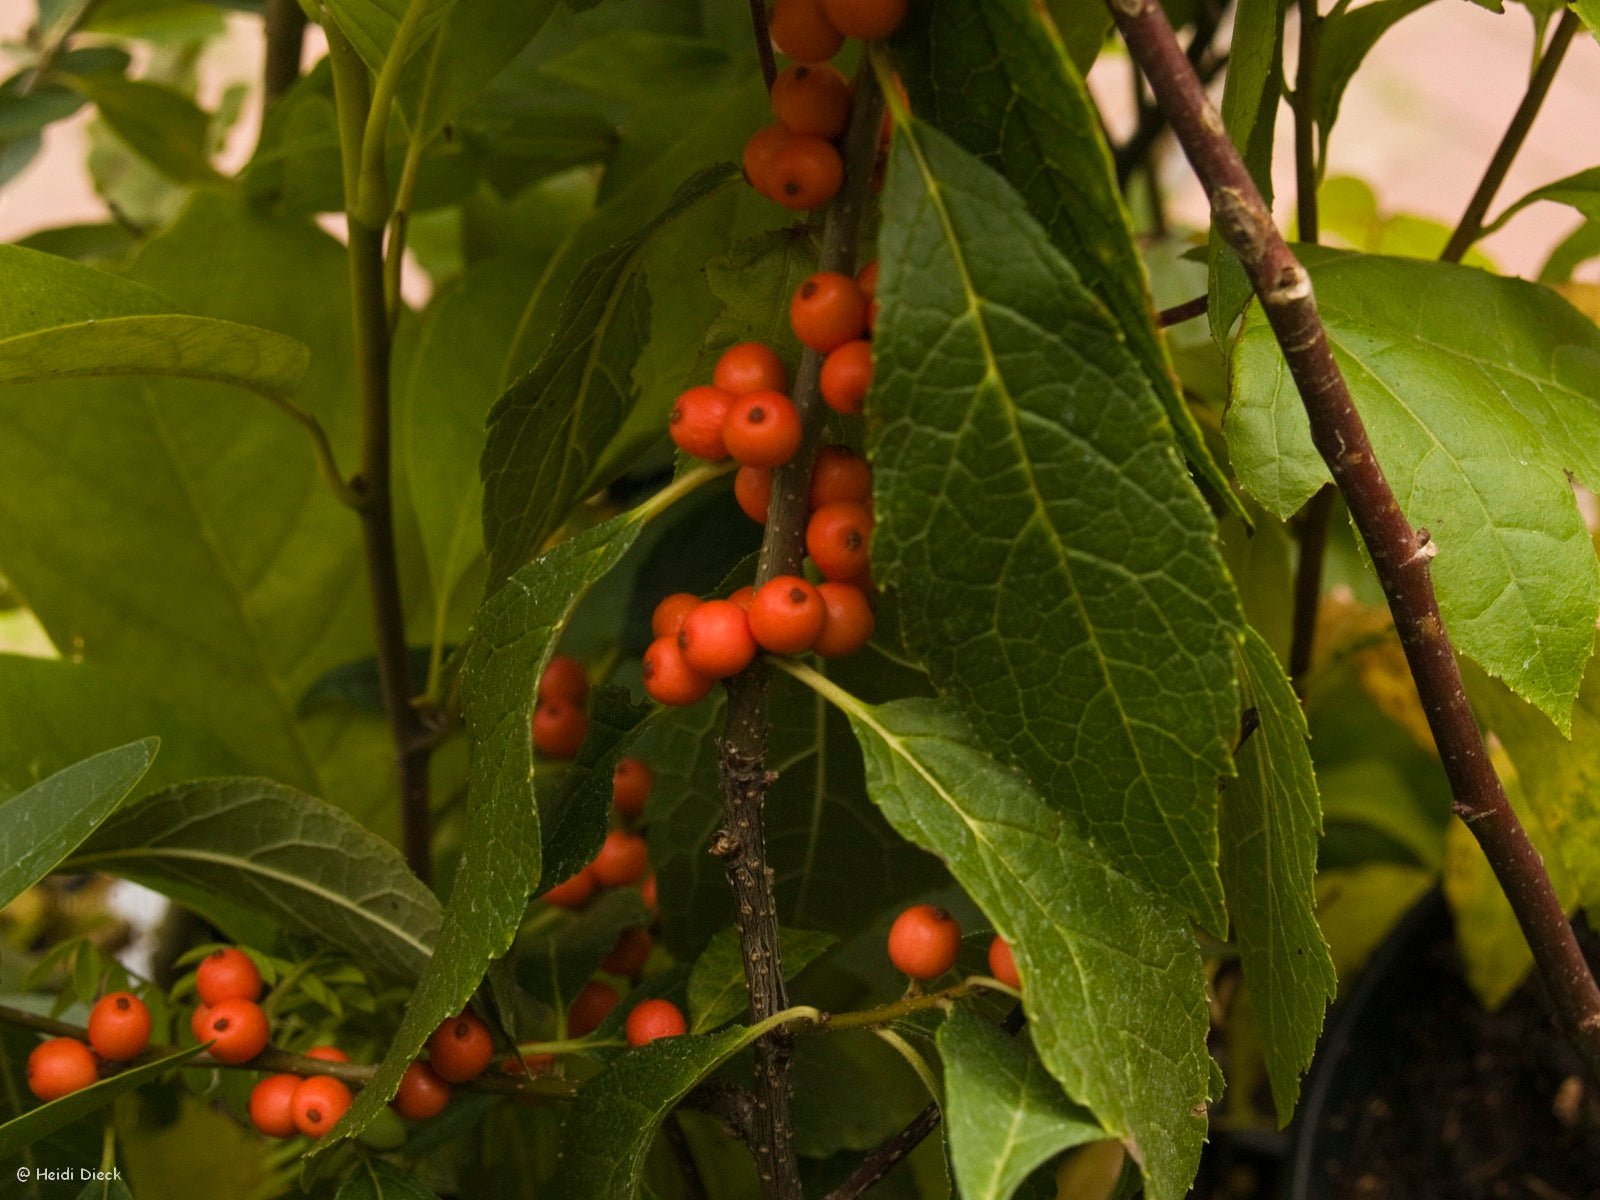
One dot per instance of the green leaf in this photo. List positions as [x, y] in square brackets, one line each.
[371, 25]
[553, 967]
[375, 1179]
[1111, 979]
[996, 78]
[476, 41]
[832, 855]
[1003, 1113]
[170, 345]
[1250, 95]
[106, 1189]
[502, 858]
[44, 824]
[1270, 827]
[1580, 191]
[1478, 393]
[1089, 639]
[651, 58]
[546, 433]
[17, 1134]
[1084, 29]
[717, 989]
[1558, 775]
[149, 521]
[1345, 39]
[157, 122]
[614, 1120]
[244, 852]
[1589, 11]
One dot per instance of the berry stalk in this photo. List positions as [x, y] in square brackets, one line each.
[741, 842]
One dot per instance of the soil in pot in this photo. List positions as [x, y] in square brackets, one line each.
[1462, 1104]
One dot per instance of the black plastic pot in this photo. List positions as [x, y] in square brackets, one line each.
[1357, 1049]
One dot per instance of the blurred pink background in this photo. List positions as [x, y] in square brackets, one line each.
[1418, 123]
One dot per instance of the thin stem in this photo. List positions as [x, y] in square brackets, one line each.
[406, 190]
[1305, 122]
[741, 842]
[1470, 227]
[1179, 313]
[758, 26]
[274, 1060]
[1400, 554]
[1312, 533]
[372, 201]
[284, 29]
[412, 744]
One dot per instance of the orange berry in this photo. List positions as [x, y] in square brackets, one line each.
[924, 941]
[867, 280]
[801, 30]
[197, 1023]
[271, 1105]
[460, 1049]
[669, 615]
[759, 153]
[529, 1064]
[628, 956]
[846, 376]
[786, 615]
[564, 679]
[827, 311]
[422, 1093]
[839, 473]
[630, 786]
[750, 367]
[572, 894]
[850, 621]
[623, 859]
[237, 1030]
[716, 640]
[327, 1054]
[1001, 964]
[652, 1019]
[227, 974]
[696, 422]
[762, 429]
[647, 893]
[806, 172]
[743, 597]
[868, 20]
[838, 539]
[811, 100]
[752, 488]
[119, 1026]
[559, 727]
[60, 1066]
[591, 1006]
[671, 680]
[318, 1103]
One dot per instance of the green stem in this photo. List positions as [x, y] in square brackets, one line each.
[366, 213]
[1305, 122]
[1470, 227]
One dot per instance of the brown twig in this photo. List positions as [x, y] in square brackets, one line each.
[1305, 123]
[1152, 122]
[1470, 227]
[742, 769]
[758, 25]
[1179, 313]
[285, 27]
[890, 1152]
[1400, 554]
[1311, 531]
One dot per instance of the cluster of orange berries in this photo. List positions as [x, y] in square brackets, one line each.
[924, 942]
[795, 160]
[119, 1031]
[744, 415]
